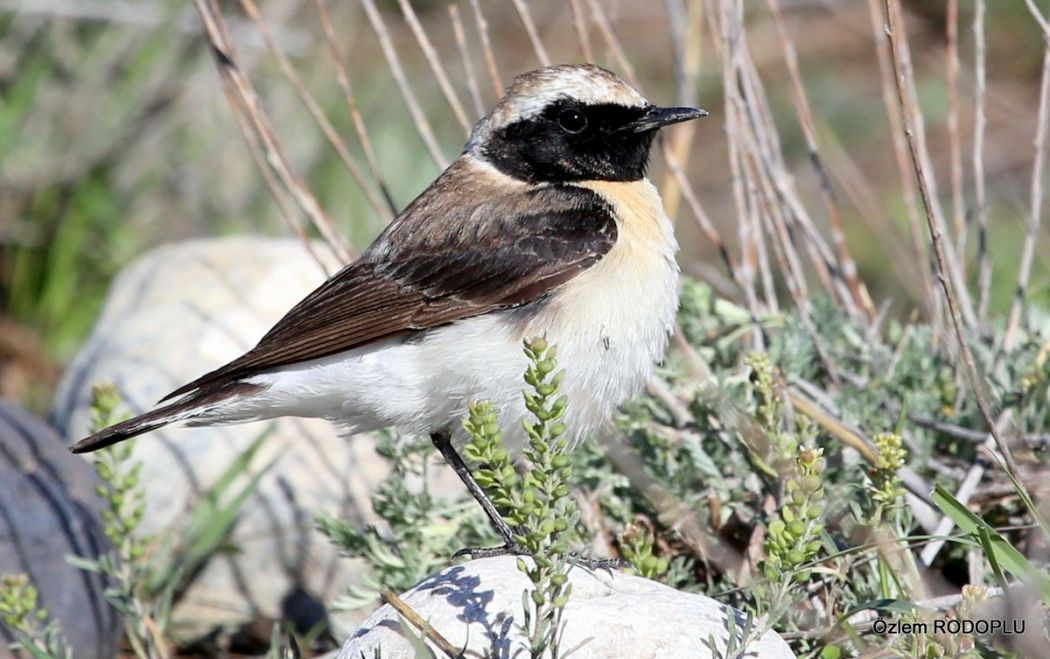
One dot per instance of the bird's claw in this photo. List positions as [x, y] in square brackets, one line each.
[508, 549]
[599, 563]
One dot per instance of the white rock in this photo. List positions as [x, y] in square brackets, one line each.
[174, 314]
[478, 606]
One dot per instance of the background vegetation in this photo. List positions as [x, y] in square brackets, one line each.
[823, 380]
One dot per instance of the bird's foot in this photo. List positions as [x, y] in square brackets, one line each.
[598, 563]
[508, 549]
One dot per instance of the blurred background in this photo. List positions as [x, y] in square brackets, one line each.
[116, 136]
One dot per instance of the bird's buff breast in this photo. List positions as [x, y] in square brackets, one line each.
[610, 323]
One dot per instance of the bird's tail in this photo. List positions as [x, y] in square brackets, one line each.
[188, 407]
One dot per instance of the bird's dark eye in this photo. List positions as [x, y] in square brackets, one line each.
[572, 121]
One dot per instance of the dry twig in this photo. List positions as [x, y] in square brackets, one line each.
[906, 93]
[419, 118]
[417, 621]
[1036, 192]
[245, 101]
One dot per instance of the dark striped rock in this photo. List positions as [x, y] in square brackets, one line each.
[172, 315]
[49, 510]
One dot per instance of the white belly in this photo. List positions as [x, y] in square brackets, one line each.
[610, 324]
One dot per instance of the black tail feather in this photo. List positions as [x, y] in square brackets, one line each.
[162, 416]
[151, 420]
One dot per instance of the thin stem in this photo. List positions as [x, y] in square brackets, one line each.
[245, 100]
[468, 65]
[980, 123]
[805, 117]
[905, 91]
[434, 60]
[486, 48]
[1035, 200]
[900, 152]
[530, 29]
[314, 109]
[343, 79]
[954, 146]
[419, 118]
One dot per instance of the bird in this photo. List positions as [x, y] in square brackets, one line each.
[546, 225]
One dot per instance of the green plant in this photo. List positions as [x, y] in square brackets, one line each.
[20, 613]
[147, 574]
[145, 620]
[537, 505]
[794, 535]
[418, 532]
[636, 544]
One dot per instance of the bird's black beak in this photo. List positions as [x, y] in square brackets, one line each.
[656, 117]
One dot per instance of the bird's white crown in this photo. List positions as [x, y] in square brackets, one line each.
[531, 92]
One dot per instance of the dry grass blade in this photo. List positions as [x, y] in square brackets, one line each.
[687, 33]
[530, 29]
[805, 116]
[730, 22]
[1036, 195]
[954, 146]
[280, 194]
[583, 35]
[434, 60]
[245, 100]
[900, 153]
[915, 131]
[601, 20]
[905, 91]
[754, 128]
[315, 110]
[980, 123]
[468, 65]
[486, 48]
[419, 118]
[1033, 9]
[351, 104]
[417, 621]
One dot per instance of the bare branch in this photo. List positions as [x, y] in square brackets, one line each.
[530, 29]
[980, 123]
[315, 110]
[434, 60]
[419, 118]
[954, 146]
[464, 54]
[486, 47]
[583, 35]
[351, 104]
[905, 91]
[244, 100]
[1036, 196]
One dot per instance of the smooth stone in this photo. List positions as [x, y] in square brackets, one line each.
[173, 314]
[477, 606]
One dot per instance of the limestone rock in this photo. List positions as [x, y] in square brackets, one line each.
[478, 606]
[174, 314]
[49, 510]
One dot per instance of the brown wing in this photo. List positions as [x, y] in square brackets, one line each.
[453, 254]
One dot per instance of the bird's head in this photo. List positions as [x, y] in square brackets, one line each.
[572, 122]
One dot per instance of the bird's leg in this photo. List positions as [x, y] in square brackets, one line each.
[607, 564]
[443, 442]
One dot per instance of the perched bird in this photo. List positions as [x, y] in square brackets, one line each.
[546, 225]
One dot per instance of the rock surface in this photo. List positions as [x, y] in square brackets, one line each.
[478, 606]
[174, 314]
[49, 510]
